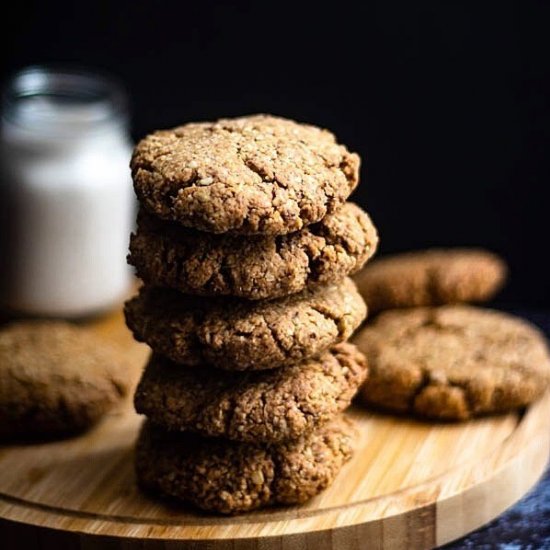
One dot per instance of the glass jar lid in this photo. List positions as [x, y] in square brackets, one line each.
[57, 101]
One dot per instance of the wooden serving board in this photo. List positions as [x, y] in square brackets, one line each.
[410, 485]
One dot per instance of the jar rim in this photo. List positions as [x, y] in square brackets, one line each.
[57, 98]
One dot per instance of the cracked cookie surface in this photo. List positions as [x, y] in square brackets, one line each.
[431, 277]
[231, 477]
[268, 406]
[453, 362]
[248, 175]
[241, 335]
[255, 267]
[55, 379]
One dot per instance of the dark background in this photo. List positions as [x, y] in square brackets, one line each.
[447, 102]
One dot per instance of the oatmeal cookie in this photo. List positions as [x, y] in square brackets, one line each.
[55, 379]
[431, 277]
[268, 406]
[453, 362]
[248, 175]
[241, 335]
[255, 267]
[231, 477]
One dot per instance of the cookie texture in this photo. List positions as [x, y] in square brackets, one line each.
[55, 378]
[256, 267]
[254, 174]
[453, 362]
[232, 477]
[241, 335]
[431, 277]
[269, 406]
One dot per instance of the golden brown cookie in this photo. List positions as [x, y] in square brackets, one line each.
[231, 477]
[241, 335]
[269, 406]
[431, 277]
[453, 362]
[254, 267]
[55, 378]
[249, 175]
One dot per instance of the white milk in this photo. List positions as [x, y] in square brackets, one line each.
[66, 197]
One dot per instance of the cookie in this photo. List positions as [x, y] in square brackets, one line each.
[255, 267]
[249, 175]
[453, 362]
[241, 335]
[269, 406]
[431, 277]
[55, 379]
[232, 477]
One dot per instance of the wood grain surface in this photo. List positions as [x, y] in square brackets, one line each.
[410, 485]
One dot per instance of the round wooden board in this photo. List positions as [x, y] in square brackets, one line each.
[410, 485]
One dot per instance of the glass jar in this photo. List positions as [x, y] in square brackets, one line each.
[66, 200]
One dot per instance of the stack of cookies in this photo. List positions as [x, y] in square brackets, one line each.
[433, 356]
[245, 242]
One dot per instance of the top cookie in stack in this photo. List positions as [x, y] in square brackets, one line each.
[245, 242]
[250, 175]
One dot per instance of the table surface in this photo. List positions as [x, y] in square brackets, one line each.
[525, 526]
